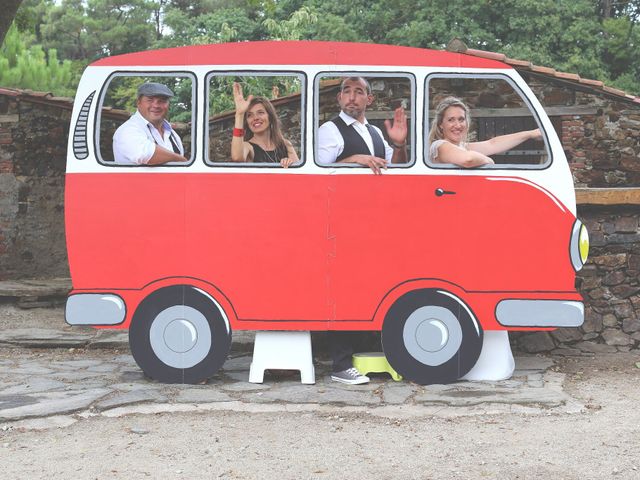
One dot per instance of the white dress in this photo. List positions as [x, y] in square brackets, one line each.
[433, 149]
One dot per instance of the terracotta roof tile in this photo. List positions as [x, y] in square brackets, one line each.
[568, 76]
[545, 70]
[518, 63]
[31, 93]
[615, 91]
[39, 97]
[501, 57]
[591, 82]
[458, 46]
[62, 99]
[10, 92]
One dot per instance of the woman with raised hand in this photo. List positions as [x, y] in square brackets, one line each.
[257, 137]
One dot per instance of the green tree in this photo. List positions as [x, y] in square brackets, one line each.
[222, 25]
[28, 66]
[295, 27]
[31, 15]
[594, 38]
[565, 34]
[87, 30]
[621, 31]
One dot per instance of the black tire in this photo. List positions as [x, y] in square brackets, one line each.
[430, 336]
[179, 335]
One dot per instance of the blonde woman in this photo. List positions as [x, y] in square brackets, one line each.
[449, 134]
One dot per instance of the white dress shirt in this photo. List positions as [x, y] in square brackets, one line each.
[331, 143]
[134, 142]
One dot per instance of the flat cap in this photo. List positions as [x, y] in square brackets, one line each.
[152, 89]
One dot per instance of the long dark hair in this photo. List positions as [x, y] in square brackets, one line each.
[275, 132]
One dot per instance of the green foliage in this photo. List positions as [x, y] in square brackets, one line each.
[215, 27]
[621, 44]
[31, 16]
[221, 89]
[91, 29]
[294, 28]
[122, 93]
[594, 38]
[28, 66]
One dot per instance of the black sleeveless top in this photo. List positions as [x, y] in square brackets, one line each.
[261, 155]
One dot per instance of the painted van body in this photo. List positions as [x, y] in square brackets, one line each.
[312, 247]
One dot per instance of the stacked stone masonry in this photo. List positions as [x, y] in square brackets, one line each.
[600, 134]
[33, 144]
[610, 285]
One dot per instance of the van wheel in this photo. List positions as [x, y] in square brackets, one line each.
[179, 335]
[430, 336]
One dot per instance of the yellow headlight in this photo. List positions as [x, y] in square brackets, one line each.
[583, 243]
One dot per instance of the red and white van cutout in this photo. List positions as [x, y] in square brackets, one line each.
[432, 255]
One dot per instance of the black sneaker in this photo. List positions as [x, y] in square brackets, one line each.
[350, 376]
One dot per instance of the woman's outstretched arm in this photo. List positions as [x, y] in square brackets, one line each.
[502, 143]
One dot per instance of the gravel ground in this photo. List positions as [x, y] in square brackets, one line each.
[15, 317]
[601, 442]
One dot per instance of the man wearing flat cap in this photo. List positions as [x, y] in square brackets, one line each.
[147, 137]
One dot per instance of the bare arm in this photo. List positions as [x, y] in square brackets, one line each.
[450, 153]
[292, 157]
[503, 143]
[241, 151]
[163, 155]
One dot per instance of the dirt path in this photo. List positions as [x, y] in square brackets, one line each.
[601, 442]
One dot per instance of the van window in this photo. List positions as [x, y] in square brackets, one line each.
[118, 104]
[281, 97]
[496, 108]
[389, 92]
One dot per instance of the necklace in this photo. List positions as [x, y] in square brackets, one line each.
[273, 159]
[272, 155]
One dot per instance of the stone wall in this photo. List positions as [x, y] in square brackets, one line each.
[602, 143]
[32, 163]
[610, 285]
[601, 136]
[601, 139]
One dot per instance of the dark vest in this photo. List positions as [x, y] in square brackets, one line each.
[354, 143]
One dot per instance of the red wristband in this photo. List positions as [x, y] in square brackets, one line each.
[238, 132]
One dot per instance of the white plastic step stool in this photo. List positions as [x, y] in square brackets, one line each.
[282, 351]
[496, 360]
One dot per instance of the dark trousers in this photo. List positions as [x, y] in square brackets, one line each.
[342, 346]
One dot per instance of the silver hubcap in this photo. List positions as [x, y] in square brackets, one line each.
[432, 335]
[180, 336]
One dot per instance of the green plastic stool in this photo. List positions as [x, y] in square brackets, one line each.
[375, 362]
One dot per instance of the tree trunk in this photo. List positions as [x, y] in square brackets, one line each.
[8, 9]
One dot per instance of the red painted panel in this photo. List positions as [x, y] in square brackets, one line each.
[285, 247]
[489, 236]
[299, 53]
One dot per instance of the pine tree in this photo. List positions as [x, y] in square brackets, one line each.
[27, 66]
